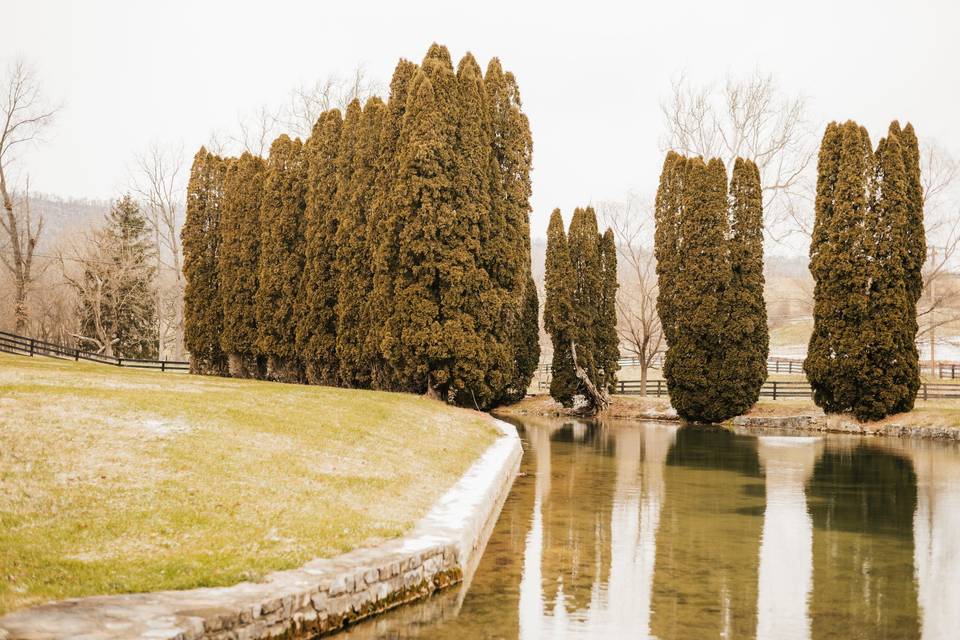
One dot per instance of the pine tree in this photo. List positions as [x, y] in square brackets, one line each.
[607, 340]
[558, 312]
[117, 298]
[239, 263]
[748, 338]
[316, 302]
[281, 257]
[355, 317]
[200, 238]
[383, 234]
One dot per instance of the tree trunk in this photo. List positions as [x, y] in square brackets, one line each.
[598, 397]
[643, 377]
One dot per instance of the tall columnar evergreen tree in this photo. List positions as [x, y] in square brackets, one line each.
[200, 238]
[668, 212]
[355, 317]
[419, 352]
[383, 234]
[710, 275]
[582, 240]
[473, 303]
[865, 257]
[506, 236]
[281, 257]
[316, 302]
[749, 340]
[558, 312]
[608, 340]
[238, 265]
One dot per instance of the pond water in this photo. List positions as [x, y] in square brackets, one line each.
[650, 530]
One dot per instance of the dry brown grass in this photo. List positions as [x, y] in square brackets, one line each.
[118, 480]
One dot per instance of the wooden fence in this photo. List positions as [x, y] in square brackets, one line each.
[779, 390]
[21, 345]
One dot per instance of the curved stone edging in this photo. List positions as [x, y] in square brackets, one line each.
[320, 597]
[824, 424]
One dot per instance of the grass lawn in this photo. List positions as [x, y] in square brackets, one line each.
[117, 480]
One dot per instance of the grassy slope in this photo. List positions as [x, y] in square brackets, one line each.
[115, 480]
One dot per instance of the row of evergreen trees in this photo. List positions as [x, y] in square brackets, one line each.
[866, 257]
[580, 311]
[709, 250]
[390, 250]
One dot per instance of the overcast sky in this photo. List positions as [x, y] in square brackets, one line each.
[592, 74]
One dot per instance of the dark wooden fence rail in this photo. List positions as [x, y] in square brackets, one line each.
[778, 390]
[942, 370]
[22, 345]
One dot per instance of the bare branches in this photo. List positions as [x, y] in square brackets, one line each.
[24, 115]
[748, 118]
[638, 323]
[307, 102]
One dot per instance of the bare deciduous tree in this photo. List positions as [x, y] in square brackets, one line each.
[939, 303]
[749, 118]
[637, 321]
[24, 115]
[159, 181]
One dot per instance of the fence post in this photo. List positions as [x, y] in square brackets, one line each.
[163, 364]
[774, 389]
[776, 364]
[31, 347]
[924, 390]
[953, 372]
[621, 387]
[76, 355]
[119, 362]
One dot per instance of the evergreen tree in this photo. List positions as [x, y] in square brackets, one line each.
[696, 290]
[473, 303]
[239, 263]
[316, 303]
[506, 237]
[559, 318]
[748, 338]
[200, 238]
[281, 257]
[526, 344]
[355, 317]
[423, 194]
[584, 248]
[383, 234]
[117, 301]
[607, 341]
[667, 215]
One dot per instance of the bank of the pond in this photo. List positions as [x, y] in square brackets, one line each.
[119, 481]
[935, 419]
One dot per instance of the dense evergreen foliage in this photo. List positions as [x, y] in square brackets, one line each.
[580, 308]
[238, 263]
[394, 248]
[281, 257]
[316, 303]
[709, 250]
[866, 257]
[200, 238]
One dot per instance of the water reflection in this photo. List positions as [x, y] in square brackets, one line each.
[786, 547]
[644, 530]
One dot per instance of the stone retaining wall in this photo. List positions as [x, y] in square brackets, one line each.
[837, 424]
[320, 597]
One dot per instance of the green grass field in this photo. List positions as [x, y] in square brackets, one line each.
[117, 480]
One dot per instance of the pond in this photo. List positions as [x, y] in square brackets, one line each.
[643, 529]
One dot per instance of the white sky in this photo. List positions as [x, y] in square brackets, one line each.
[592, 74]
